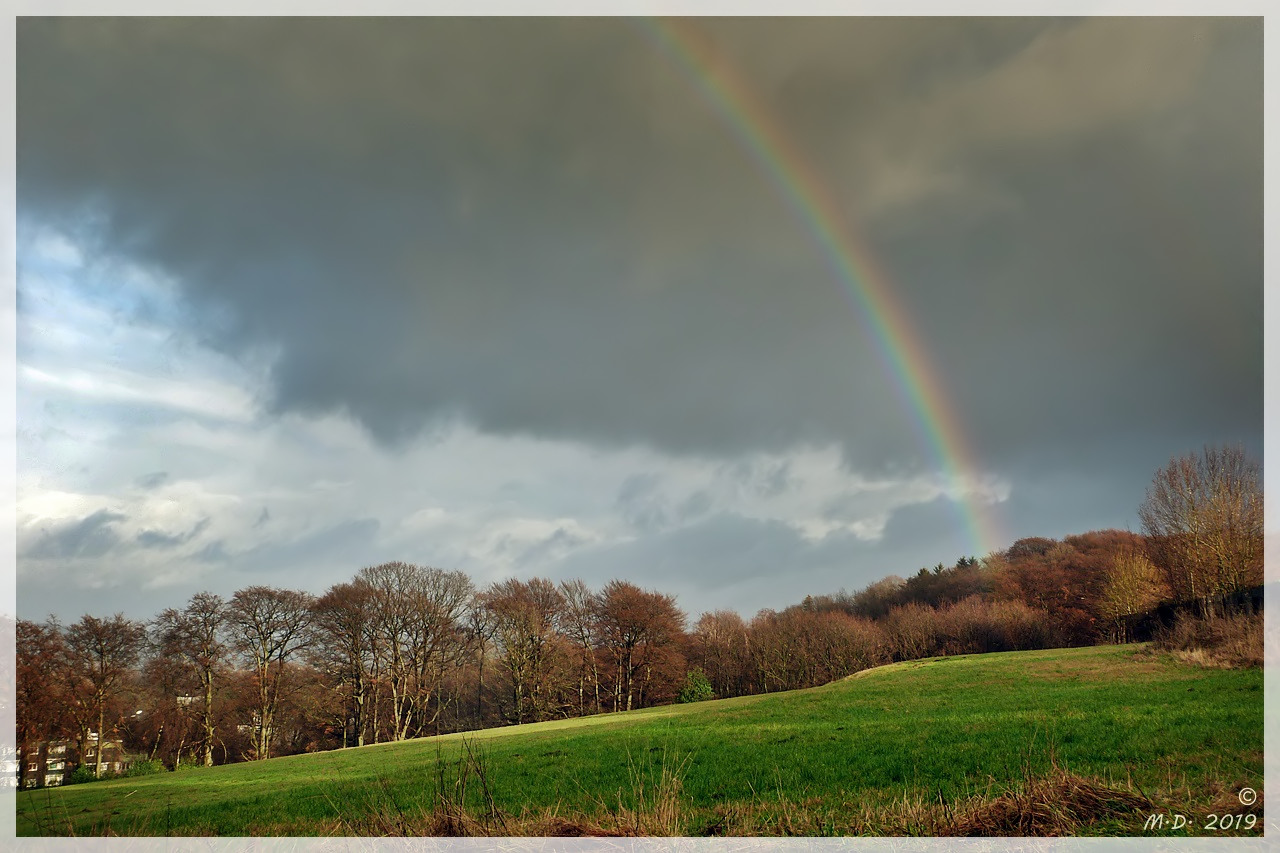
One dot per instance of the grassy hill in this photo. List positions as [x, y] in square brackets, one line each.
[1084, 741]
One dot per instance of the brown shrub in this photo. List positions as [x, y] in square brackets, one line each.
[913, 631]
[1231, 642]
[977, 626]
[801, 648]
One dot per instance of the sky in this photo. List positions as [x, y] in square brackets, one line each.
[739, 310]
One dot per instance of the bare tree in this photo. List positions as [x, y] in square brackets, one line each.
[268, 626]
[480, 630]
[418, 616]
[102, 652]
[719, 646]
[580, 623]
[524, 617]
[344, 618]
[439, 641]
[192, 636]
[634, 623]
[168, 725]
[1134, 585]
[876, 600]
[1203, 518]
[41, 704]
[392, 618]
[912, 630]
[774, 650]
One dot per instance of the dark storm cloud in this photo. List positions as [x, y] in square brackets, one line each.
[538, 226]
[91, 536]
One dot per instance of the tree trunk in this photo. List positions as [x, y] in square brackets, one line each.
[480, 689]
[630, 668]
[360, 715]
[208, 719]
[617, 687]
[83, 732]
[97, 772]
[155, 747]
[264, 734]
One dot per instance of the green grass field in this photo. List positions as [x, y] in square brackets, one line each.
[873, 754]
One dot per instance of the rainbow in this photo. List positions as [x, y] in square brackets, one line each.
[863, 281]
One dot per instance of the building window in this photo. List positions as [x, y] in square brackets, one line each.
[32, 767]
[58, 750]
[53, 780]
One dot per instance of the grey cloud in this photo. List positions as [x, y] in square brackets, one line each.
[637, 487]
[721, 550]
[547, 548]
[310, 562]
[764, 478]
[934, 522]
[214, 552]
[641, 504]
[541, 228]
[777, 480]
[92, 536]
[340, 535]
[850, 507]
[732, 561]
[696, 505]
[152, 480]
[158, 539]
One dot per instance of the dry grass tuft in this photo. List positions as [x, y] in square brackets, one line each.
[1058, 804]
[559, 827]
[1227, 801]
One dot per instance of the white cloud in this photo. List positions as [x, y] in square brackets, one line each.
[112, 385]
[53, 247]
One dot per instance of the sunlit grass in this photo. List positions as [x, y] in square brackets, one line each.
[939, 728]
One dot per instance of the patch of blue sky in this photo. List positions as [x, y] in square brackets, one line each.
[102, 333]
[84, 298]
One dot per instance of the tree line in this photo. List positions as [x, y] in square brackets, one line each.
[401, 651]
